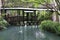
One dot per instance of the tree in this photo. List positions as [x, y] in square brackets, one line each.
[35, 3]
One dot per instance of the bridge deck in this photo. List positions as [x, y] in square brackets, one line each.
[24, 9]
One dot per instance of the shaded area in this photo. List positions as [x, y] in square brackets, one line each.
[26, 33]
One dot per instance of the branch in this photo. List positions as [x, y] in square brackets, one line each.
[58, 4]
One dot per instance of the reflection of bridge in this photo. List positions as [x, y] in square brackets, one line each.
[19, 19]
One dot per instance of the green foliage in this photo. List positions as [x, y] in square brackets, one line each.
[50, 26]
[44, 15]
[35, 3]
[3, 23]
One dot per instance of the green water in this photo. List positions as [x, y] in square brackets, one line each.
[26, 33]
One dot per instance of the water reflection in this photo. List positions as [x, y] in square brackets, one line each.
[40, 34]
[26, 33]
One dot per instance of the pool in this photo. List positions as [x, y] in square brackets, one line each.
[26, 33]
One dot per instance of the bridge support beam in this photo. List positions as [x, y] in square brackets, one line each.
[18, 12]
[27, 18]
[23, 16]
[35, 17]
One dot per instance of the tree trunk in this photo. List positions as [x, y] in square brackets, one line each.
[57, 17]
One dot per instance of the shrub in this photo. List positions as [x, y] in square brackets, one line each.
[44, 15]
[3, 23]
[58, 30]
[50, 26]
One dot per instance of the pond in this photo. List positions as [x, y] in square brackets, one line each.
[26, 33]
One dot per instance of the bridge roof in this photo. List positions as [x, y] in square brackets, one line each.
[24, 9]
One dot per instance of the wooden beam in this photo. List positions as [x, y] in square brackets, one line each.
[25, 9]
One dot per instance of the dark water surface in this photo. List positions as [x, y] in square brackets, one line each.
[26, 33]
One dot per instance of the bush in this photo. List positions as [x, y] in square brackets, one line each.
[50, 26]
[44, 15]
[3, 23]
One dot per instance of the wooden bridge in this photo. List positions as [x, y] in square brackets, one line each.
[28, 15]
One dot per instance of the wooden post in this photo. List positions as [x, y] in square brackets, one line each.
[31, 18]
[27, 17]
[18, 16]
[35, 17]
[23, 16]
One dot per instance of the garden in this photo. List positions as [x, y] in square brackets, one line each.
[47, 23]
[30, 20]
